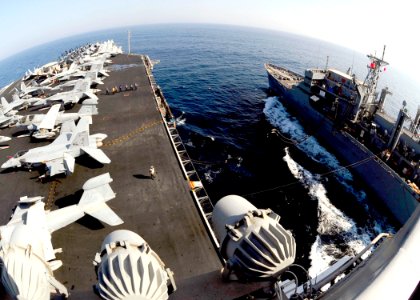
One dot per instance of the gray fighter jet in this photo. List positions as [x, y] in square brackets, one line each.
[45, 126]
[59, 156]
[80, 91]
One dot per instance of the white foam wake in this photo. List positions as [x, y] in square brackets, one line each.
[180, 120]
[278, 117]
[336, 231]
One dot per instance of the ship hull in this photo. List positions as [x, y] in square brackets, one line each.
[276, 86]
[380, 179]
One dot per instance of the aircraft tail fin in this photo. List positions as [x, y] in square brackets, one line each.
[22, 86]
[81, 133]
[97, 191]
[15, 98]
[73, 66]
[68, 126]
[48, 122]
[4, 103]
[82, 125]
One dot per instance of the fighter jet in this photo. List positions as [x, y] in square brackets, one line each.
[59, 156]
[33, 90]
[63, 75]
[6, 121]
[45, 126]
[7, 114]
[4, 139]
[9, 109]
[45, 70]
[27, 256]
[16, 104]
[80, 91]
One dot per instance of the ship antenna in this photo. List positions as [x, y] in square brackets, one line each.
[371, 81]
[383, 52]
[129, 42]
[326, 64]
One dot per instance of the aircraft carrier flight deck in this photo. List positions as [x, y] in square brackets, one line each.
[162, 210]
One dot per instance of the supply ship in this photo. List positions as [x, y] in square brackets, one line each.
[347, 115]
[171, 241]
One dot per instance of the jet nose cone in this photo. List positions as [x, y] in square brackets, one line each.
[9, 163]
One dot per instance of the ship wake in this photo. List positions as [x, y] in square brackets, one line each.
[281, 119]
[338, 234]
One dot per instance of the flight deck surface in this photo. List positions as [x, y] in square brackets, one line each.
[162, 210]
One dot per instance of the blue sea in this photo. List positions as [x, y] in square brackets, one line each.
[214, 80]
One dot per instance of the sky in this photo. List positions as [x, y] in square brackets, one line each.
[361, 25]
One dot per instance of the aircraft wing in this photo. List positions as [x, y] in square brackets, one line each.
[56, 166]
[91, 95]
[97, 154]
[71, 98]
[82, 85]
[88, 110]
[48, 122]
[67, 97]
[103, 212]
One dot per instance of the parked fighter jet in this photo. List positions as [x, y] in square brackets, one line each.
[7, 114]
[45, 126]
[4, 139]
[9, 109]
[81, 90]
[64, 74]
[6, 121]
[34, 89]
[16, 104]
[45, 70]
[27, 256]
[59, 156]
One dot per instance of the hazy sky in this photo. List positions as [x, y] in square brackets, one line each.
[362, 25]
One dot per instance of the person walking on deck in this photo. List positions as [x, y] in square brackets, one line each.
[152, 172]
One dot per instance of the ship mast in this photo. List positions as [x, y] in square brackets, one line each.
[371, 81]
[129, 42]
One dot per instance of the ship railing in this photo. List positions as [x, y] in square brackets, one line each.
[199, 193]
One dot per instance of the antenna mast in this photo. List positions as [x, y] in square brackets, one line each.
[129, 42]
[371, 81]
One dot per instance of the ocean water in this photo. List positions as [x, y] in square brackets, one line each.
[214, 80]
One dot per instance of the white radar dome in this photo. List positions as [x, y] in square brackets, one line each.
[253, 243]
[128, 269]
